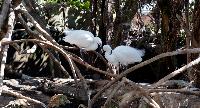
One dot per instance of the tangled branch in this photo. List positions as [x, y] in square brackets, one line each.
[123, 74]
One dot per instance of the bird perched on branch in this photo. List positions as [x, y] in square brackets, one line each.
[82, 39]
[123, 55]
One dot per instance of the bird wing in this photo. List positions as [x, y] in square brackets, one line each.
[79, 37]
[127, 55]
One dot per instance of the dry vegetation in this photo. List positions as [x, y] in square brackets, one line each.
[66, 84]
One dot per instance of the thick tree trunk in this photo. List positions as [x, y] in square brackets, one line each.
[117, 36]
[103, 22]
[123, 20]
[170, 27]
[194, 74]
[93, 16]
[110, 18]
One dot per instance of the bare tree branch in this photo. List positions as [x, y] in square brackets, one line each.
[18, 95]
[143, 93]
[197, 93]
[4, 49]
[85, 86]
[38, 27]
[37, 36]
[102, 58]
[4, 12]
[48, 37]
[194, 62]
[113, 92]
[123, 74]
[63, 52]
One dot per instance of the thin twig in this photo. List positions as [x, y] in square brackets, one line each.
[63, 52]
[80, 76]
[18, 95]
[105, 62]
[85, 86]
[74, 48]
[37, 36]
[16, 47]
[123, 74]
[114, 92]
[194, 62]
[74, 71]
[45, 36]
[143, 92]
[38, 27]
[197, 93]
[48, 37]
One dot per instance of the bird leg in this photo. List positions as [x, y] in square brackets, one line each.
[123, 68]
[114, 68]
[82, 52]
[95, 59]
[117, 70]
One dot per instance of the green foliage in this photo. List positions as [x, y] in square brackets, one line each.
[79, 4]
[74, 3]
[51, 1]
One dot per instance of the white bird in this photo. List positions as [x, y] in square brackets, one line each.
[123, 55]
[83, 39]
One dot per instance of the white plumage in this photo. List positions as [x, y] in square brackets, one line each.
[83, 39]
[123, 55]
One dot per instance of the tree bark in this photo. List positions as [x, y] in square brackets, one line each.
[103, 22]
[123, 20]
[170, 27]
[7, 37]
[195, 73]
[93, 16]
